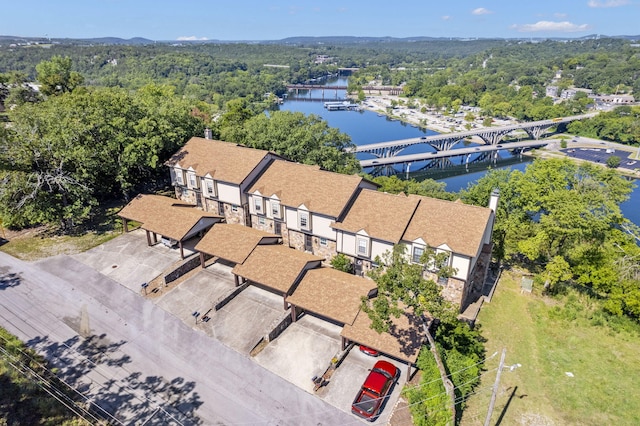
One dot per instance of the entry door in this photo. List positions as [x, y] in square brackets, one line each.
[308, 244]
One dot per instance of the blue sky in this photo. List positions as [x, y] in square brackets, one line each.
[277, 19]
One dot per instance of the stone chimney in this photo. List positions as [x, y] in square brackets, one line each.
[493, 200]
[208, 134]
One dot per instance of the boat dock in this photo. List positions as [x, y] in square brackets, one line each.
[341, 106]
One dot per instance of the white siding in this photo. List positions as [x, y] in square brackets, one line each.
[322, 228]
[378, 248]
[461, 263]
[349, 244]
[291, 218]
[229, 193]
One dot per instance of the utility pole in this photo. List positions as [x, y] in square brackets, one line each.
[495, 388]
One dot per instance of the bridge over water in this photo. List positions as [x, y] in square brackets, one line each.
[387, 154]
[444, 142]
[391, 90]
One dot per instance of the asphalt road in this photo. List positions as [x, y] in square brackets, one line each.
[138, 364]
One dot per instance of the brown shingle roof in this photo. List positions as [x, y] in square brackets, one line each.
[403, 341]
[383, 216]
[232, 242]
[331, 293]
[320, 191]
[164, 215]
[224, 161]
[459, 226]
[275, 266]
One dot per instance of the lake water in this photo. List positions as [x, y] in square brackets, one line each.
[365, 127]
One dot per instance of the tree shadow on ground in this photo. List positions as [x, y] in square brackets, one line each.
[8, 280]
[94, 368]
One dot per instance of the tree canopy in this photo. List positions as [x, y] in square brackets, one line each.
[563, 219]
[60, 157]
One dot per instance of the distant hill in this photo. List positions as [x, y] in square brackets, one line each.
[334, 40]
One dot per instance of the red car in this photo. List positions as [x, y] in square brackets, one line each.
[369, 351]
[375, 390]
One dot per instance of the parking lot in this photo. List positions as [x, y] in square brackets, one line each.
[304, 350]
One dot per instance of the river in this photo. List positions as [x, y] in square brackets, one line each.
[366, 127]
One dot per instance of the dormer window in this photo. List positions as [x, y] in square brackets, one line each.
[275, 209]
[179, 178]
[209, 188]
[417, 254]
[363, 247]
[192, 180]
[257, 204]
[303, 220]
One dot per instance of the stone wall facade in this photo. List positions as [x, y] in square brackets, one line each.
[185, 194]
[186, 266]
[296, 240]
[234, 217]
[328, 251]
[212, 206]
[452, 290]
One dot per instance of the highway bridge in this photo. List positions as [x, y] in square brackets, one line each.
[444, 142]
[434, 158]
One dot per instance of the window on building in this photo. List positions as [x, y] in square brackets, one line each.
[363, 249]
[209, 188]
[234, 208]
[275, 209]
[257, 203]
[179, 178]
[261, 220]
[192, 180]
[303, 220]
[323, 242]
[417, 254]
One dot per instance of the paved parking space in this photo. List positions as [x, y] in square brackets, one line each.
[302, 351]
[305, 350]
[197, 293]
[242, 322]
[128, 259]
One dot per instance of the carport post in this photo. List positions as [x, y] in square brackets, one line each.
[202, 260]
[181, 250]
[125, 225]
[293, 313]
[148, 238]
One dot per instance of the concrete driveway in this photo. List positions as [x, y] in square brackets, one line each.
[128, 259]
[305, 349]
[302, 351]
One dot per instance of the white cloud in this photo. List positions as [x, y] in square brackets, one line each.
[563, 27]
[446, 18]
[481, 11]
[191, 38]
[607, 3]
[560, 15]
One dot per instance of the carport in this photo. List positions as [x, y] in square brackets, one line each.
[276, 268]
[167, 217]
[331, 294]
[232, 242]
[402, 342]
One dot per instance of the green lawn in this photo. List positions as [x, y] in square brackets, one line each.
[550, 340]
